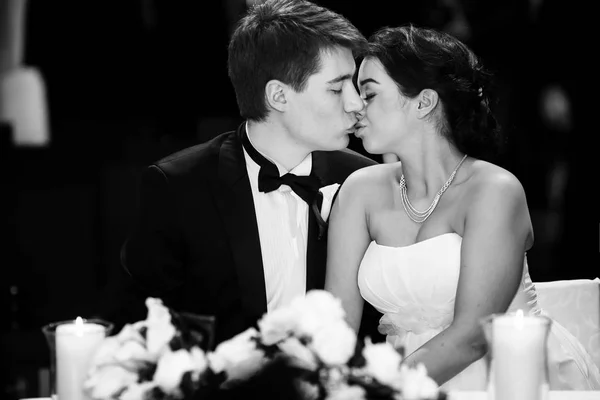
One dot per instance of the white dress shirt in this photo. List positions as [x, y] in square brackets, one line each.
[282, 218]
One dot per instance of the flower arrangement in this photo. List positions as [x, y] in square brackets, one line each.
[303, 351]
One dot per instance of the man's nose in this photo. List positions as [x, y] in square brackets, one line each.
[355, 103]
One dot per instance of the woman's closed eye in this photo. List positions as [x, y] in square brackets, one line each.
[368, 97]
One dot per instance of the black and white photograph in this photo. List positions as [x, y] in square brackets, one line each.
[295, 199]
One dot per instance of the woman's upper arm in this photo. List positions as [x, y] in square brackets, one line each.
[348, 238]
[496, 229]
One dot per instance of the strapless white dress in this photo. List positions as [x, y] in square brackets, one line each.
[414, 287]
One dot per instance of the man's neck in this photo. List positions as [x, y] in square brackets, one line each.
[273, 141]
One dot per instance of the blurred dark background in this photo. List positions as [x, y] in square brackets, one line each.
[127, 82]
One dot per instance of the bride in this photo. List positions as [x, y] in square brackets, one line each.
[438, 240]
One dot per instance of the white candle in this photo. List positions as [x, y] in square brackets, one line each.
[519, 359]
[75, 346]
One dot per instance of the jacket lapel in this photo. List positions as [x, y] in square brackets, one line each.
[316, 252]
[234, 200]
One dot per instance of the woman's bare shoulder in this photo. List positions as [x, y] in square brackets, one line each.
[487, 179]
[496, 194]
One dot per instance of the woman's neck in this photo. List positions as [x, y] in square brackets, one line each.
[427, 164]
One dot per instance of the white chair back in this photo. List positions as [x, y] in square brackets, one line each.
[575, 304]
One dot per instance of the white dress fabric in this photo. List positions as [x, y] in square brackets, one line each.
[414, 287]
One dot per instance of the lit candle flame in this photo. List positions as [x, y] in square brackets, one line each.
[519, 319]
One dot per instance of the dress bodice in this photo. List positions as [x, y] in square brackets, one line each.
[414, 286]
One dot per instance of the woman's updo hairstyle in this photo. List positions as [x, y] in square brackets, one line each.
[421, 58]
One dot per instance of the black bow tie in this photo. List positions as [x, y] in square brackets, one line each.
[306, 187]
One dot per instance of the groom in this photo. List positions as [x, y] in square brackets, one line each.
[236, 227]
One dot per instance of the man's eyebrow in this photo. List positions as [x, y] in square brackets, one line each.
[368, 80]
[340, 78]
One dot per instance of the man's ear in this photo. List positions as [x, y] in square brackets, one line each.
[427, 101]
[275, 92]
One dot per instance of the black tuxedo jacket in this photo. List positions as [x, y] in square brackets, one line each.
[195, 243]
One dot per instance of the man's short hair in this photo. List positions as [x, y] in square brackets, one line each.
[283, 39]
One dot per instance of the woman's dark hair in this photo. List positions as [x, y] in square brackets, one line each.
[283, 39]
[421, 58]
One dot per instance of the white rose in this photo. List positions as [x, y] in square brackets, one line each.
[382, 361]
[301, 355]
[316, 310]
[132, 352]
[107, 381]
[157, 339]
[346, 392]
[325, 303]
[156, 310]
[105, 353]
[199, 361]
[277, 325]
[335, 343]
[238, 356]
[415, 384]
[130, 332]
[159, 329]
[139, 325]
[137, 391]
[170, 369]
[328, 194]
[127, 345]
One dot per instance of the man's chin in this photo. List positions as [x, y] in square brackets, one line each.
[343, 142]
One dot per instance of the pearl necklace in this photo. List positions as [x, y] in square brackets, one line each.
[420, 216]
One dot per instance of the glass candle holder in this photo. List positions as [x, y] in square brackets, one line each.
[517, 357]
[72, 345]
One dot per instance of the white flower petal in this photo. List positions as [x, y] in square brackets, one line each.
[416, 384]
[277, 325]
[301, 355]
[137, 391]
[107, 381]
[346, 392]
[105, 353]
[335, 343]
[158, 336]
[199, 360]
[383, 362]
[132, 351]
[129, 332]
[170, 369]
[238, 356]
[316, 310]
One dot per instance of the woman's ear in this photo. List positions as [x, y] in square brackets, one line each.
[275, 92]
[427, 102]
